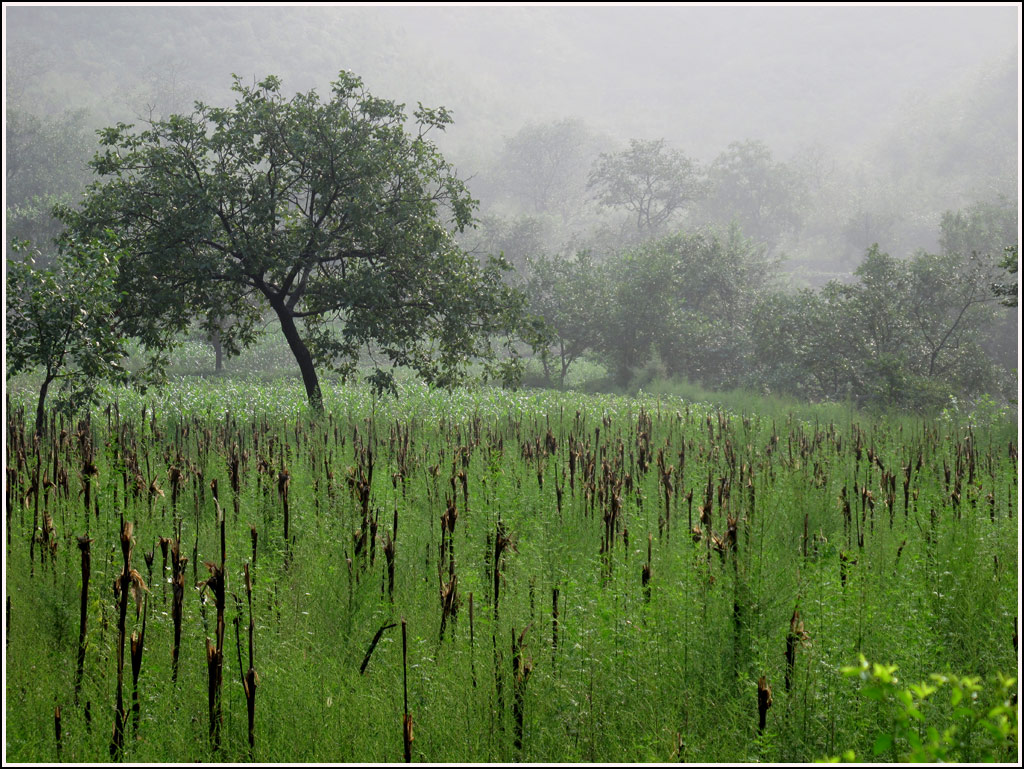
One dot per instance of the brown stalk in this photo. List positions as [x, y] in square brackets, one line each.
[472, 665]
[250, 679]
[178, 563]
[389, 558]
[521, 670]
[554, 624]
[373, 646]
[845, 562]
[645, 574]
[283, 481]
[137, 641]
[217, 584]
[796, 636]
[57, 731]
[407, 716]
[899, 552]
[164, 544]
[128, 581]
[148, 556]
[83, 545]
[764, 701]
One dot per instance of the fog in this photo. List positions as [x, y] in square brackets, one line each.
[839, 81]
[814, 132]
[701, 76]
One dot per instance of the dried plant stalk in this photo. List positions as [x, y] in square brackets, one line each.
[128, 581]
[764, 701]
[84, 543]
[521, 669]
[407, 716]
[137, 641]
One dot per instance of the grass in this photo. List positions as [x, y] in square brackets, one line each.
[633, 679]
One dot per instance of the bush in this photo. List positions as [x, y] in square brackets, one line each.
[976, 724]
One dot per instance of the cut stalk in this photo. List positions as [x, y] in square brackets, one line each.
[407, 716]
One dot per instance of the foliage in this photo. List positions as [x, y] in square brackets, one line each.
[573, 296]
[1007, 291]
[544, 166]
[46, 165]
[327, 212]
[63, 319]
[632, 675]
[982, 723]
[689, 296]
[801, 344]
[760, 194]
[517, 239]
[649, 180]
[906, 333]
[982, 228]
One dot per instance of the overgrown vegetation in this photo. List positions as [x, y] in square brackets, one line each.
[676, 553]
[812, 456]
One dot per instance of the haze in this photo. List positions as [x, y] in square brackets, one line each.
[814, 133]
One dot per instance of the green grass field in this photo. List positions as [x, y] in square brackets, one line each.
[582, 577]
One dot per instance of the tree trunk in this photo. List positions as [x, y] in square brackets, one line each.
[218, 351]
[302, 357]
[40, 406]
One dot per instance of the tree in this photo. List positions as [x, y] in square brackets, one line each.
[878, 304]
[988, 231]
[545, 166]
[62, 319]
[573, 297]
[906, 334]
[749, 187]
[515, 238]
[649, 180]
[1007, 291]
[950, 307]
[982, 228]
[689, 297]
[46, 164]
[800, 346]
[328, 212]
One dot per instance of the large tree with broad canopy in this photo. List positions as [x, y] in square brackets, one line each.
[327, 212]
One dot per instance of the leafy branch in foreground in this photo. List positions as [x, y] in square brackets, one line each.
[975, 725]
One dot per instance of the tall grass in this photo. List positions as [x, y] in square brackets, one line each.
[802, 552]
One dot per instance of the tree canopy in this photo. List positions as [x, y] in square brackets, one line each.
[327, 212]
[649, 180]
[63, 320]
[573, 297]
[750, 187]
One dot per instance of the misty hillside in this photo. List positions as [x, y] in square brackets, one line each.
[787, 142]
[699, 76]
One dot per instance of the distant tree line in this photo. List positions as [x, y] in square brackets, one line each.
[709, 305]
[639, 257]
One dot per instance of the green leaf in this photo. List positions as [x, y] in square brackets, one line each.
[874, 693]
[882, 744]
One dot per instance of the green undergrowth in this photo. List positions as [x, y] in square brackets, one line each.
[808, 543]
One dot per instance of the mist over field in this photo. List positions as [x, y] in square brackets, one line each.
[803, 137]
[512, 384]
